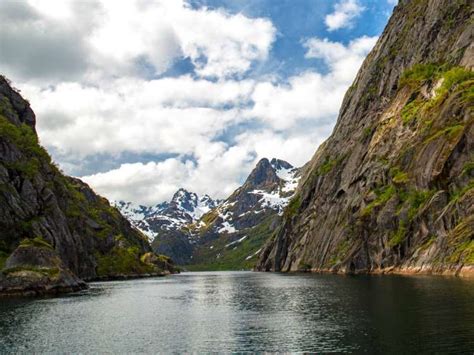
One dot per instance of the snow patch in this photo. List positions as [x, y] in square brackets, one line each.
[254, 254]
[227, 228]
[237, 241]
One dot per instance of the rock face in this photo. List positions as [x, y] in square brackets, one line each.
[34, 268]
[90, 237]
[392, 187]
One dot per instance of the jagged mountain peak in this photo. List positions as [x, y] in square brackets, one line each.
[265, 172]
[279, 164]
[184, 207]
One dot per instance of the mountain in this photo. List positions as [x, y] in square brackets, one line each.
[209, 233]
[231, 236]
[54, 230]
[392, 187]
[163, 223]
[219, 234]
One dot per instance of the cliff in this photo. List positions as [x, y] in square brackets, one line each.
[40, 206]
[392, 188]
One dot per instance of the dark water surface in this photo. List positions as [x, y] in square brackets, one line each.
[244, 311]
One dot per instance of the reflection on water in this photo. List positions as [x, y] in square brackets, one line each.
[243, 311]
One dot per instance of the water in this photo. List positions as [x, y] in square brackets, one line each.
[244, 311]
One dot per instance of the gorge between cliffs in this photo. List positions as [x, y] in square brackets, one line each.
[219, 176]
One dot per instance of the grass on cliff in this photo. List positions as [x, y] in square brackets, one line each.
[462, 238]
[42, 271]
[25, 139]
[37, 242]
[419, 74]
[122, 261]
[383, 194]
[293, 207]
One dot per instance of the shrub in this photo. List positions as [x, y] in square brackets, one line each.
[399, 235]
[383, 195]
[293, 207]
[419, 74]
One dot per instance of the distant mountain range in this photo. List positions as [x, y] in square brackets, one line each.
[202, 231]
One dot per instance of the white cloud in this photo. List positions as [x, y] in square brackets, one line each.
[312, 96]
[103, 38]
[93, 100]
[343, 61]
[186, 116]
[216, 171]
[134, 115]
[345, 11]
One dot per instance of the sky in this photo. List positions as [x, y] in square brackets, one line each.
[142, 97]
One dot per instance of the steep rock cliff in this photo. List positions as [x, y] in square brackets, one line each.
[38, 202]
[392, 187]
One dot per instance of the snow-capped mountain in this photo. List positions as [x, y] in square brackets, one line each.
[267, 190]
[184, 208]
[187, 224]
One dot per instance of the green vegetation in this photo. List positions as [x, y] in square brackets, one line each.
[368, 132]
[236, 256]
[462, 237]
[383, 195]
[454, 80]
[415, 199]
[340, 253]
[458, 194]
[293, 207]
[419, 74]
[26, 140]
[410, 111]
[398, 176]
[304, 266]
[453, 77]
[450, 132]
[399, 235]
[42, 271]
[328, 164]
[468, 168]
[121, 261]
[37, 242]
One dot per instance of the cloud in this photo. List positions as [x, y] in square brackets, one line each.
[311, 96]
[95, 74]
[216, 171]
[345, 11]
[34, 46]
[170, 115]
[188, 117]
[100, 39]
[343, 61]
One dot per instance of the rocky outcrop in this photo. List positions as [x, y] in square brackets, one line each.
[90, 237]
[35, 268]
[392, 187]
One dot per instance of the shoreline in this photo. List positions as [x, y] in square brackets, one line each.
[84, 285]
[466, 271]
